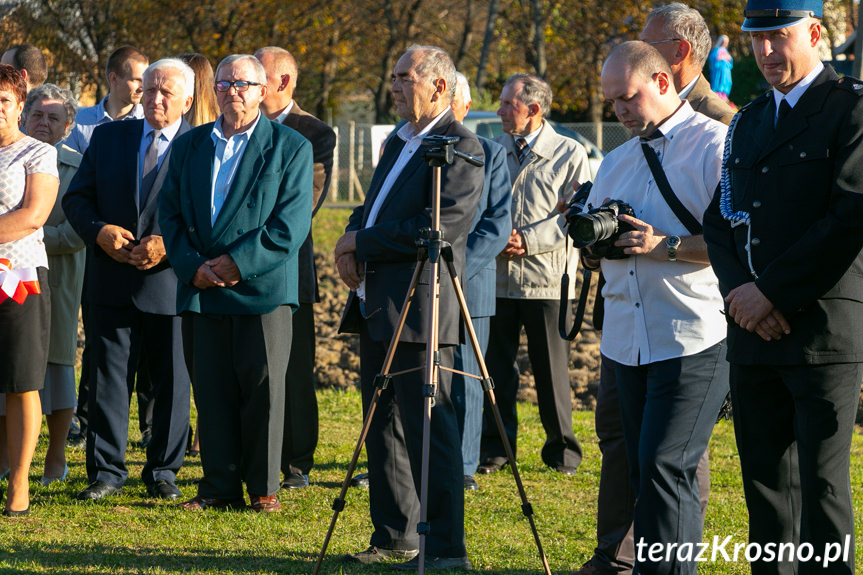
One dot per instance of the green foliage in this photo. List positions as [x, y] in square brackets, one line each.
[131, 534]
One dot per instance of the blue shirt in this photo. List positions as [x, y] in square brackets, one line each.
[229, 152]
[87, 119]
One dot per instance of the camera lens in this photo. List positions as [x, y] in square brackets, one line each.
[587, 229]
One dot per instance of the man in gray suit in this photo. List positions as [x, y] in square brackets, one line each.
[487, 238]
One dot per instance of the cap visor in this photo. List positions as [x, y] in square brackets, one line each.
[765, 24]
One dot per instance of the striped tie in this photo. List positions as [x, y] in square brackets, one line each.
[522, 148]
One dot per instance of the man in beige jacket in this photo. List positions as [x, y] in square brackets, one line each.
[542, 164]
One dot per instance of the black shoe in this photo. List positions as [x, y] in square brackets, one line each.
[146, 438]
[565, 469]
[435, 563]
[295, 481]
[77, 441]
[490, 466]
[163, 489]
[361, 480]
[374, 555]
[470, 483]
[98, 490]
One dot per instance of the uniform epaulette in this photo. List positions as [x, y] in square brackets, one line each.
[851, 84]
[756, 101]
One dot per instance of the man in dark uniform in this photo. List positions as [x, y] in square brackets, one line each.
[784, 238]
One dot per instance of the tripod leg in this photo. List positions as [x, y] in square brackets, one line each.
[381, 383]
[488, 387]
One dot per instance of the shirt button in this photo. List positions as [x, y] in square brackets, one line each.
[191, 229]
[637, 304]
[756, 204]
[802, 154]
[755, 242]
[765, 169]
[632, 273]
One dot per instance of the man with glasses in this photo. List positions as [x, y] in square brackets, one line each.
[235, 210]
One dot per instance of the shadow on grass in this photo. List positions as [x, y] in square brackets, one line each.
[98, 559]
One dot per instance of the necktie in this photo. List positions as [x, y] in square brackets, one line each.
[522, 148]
[784, 108]
[151, 166]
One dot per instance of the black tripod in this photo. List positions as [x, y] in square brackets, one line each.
[432, 249]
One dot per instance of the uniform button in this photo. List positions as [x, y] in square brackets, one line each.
[802, 154]
[755, 242]
[765, 169]
[240, 232]
[756, 204]
[736, 160]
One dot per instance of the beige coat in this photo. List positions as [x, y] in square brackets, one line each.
[546, 176]
[65, 267]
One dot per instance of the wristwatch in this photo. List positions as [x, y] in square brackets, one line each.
[671, 244]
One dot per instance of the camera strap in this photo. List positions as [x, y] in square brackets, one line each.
[684, 215]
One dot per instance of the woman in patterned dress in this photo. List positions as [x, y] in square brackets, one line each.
[28, 188]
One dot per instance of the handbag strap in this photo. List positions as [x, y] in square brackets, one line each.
[684, 215]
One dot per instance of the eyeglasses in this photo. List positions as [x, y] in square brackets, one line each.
[664, 41]
[239, 85]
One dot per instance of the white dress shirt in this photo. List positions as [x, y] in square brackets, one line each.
[659, 310]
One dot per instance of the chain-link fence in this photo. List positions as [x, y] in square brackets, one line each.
[359, 147]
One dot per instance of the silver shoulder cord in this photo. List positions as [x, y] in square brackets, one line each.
[725, 208]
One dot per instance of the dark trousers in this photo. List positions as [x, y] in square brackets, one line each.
[118, 337]
[238, 363]
[669, 409]
[793, 426]
[394, 448]
[549, 359]
[467, 396]
[615, 548]
[301, 403]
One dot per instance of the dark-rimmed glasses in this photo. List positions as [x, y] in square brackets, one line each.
[664, 41]
[239, 85]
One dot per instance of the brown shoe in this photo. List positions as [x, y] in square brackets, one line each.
[265, 503]
[199, 502]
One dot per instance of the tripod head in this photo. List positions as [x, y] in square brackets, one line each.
[441, 151]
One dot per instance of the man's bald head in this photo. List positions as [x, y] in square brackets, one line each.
[281, 68]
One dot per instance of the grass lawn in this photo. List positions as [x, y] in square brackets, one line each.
[131, 534]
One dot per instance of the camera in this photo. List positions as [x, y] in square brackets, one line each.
[599, 227]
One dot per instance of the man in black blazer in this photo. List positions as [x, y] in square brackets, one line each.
[301, 404]
[113, 205]
[784, 238]
[376, 258]
[235, 210]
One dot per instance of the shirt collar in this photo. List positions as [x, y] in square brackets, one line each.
[531, 138]
[408, 132]
[669, 125]
[280, 119]
[797, 91]
[168, 132]
[137, 112]
[688, 88]
[217, 133]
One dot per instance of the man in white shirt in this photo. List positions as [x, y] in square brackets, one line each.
[663, 327]
[125, 71]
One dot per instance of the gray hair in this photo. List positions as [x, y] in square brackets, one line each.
[180, 66]
[434, 64]
[463, 85]
[681, 21]
[534, 90]
[54, 92]
[259, 72]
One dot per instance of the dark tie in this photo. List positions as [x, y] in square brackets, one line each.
[151, 166]
[522, 148]
[784, 108]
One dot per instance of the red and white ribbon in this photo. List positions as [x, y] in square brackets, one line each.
[17, 284]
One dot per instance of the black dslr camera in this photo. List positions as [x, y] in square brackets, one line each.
[598, 227]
